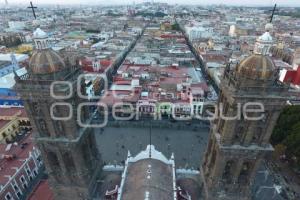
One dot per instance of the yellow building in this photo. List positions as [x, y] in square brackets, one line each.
[165, 26]
[24, 48]
[12, 121]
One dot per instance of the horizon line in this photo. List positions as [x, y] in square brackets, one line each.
[184, 4]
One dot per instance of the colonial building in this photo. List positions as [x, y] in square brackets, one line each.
[20, 164]
[237, 146]
[292, 76]
[11, 39]
[69, 152]
[13, 121]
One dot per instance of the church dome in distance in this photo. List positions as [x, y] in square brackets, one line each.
[256, 67]
[44, 60]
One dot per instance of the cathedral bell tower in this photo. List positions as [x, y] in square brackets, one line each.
[69, 152]
[237, 146]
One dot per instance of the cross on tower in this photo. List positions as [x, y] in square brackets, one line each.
[33, 9]
[273, 12]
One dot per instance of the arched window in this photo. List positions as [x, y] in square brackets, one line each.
[35, 107]
[70, 166]
[245, 173]
[69, 161]
[42, 128]
[55, 166]
[239, 133]
[227, 173]
[47, 44]
[257, 135]
[53, 160]
[39, 44]
[60, 128]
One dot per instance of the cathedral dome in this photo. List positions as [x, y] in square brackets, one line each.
[256, 66]
[46, 61]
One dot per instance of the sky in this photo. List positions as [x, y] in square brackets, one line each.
[229, 2]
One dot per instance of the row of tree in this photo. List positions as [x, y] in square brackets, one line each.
[286, 135]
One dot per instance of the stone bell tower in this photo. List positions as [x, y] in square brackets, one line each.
[69, 151]
[237, 146]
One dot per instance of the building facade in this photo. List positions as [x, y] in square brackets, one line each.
[13, 121]
[70, 155]
[238, 145]
[20, 166]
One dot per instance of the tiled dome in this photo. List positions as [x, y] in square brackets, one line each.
[46, 61]
[256, 67]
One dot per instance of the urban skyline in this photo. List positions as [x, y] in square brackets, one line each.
[289, 3]
[149, 101]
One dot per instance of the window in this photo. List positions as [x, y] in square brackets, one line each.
[16, 189]
[245, 173]
[28, 172]
[227, 173]
[39, 161]
[8, 196]
[23, 181]
[19, 194]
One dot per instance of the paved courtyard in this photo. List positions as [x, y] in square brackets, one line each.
[188, 144]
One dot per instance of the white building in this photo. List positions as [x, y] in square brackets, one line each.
[16, 25]
[197, 32]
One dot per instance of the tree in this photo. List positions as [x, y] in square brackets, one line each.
[279, 150]
[287, 133]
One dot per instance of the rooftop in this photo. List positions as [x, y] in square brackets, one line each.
[148, 175]
[11, 112]
[42, 192]
[13, 156]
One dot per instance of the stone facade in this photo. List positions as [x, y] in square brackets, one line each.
[237, 147]
[240, 139]
[68, 150]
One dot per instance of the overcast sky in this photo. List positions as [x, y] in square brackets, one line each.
[229, 2]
